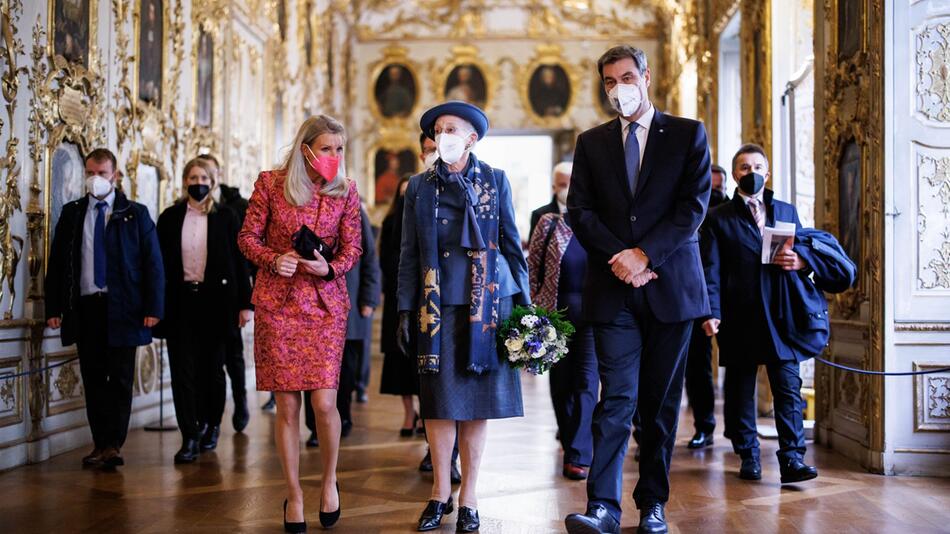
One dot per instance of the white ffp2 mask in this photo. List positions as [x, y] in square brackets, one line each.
[625, 98]
[451, 147]
[98, 186]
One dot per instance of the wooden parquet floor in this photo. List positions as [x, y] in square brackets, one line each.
[238, 487]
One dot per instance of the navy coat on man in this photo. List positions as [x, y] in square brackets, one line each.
[741, 288]
[135, 276]
[607, 217]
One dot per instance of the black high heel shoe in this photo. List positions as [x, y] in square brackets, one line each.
[328, 519]
[408, 432]
[431, 517]
[293, 527]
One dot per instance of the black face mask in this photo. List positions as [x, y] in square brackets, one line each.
[198, 191]
[751, 183]
[716, 197]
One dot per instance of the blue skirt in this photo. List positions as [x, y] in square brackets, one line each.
[457, 394]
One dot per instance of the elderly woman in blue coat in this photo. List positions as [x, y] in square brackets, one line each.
[460, 272]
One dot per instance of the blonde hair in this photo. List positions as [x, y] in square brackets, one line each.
[207, 204]
[298, 188]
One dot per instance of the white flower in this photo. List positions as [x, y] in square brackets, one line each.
[514, 345]
[541, 352]
[552, 333]
[529, 320]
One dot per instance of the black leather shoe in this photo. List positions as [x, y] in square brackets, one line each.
[328, 519]
[241, 416]
[751, 469]
[188, 452]
[312, 441]
[797, 471]
[431, 517]
[270, 404]
[595, 521]
[293, 527]
[426, 464]
[468, 520]
[456, 475]
[345, 428]
[700, 440]
[209, 441]
[652, 519]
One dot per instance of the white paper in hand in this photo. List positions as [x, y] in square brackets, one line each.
[777, 238]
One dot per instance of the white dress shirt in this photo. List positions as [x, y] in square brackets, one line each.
[643, 131]
[194, 244]
[87, 276]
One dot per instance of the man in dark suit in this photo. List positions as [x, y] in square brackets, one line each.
[105, 287]
[638, 195]
[699, 377]
[364, 285]
[234, 350]
[560, 181]
[740, 292]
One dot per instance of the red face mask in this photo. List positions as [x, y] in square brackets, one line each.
[327, 166]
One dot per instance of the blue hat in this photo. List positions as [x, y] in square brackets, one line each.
[464, 110]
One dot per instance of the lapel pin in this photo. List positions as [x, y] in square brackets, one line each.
[661, 130]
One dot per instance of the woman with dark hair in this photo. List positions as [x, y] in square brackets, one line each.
[399, 371]
[301, 300]
[207, 295]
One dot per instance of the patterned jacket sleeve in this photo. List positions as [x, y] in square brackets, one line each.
[251, 238]
[536, 254]
[351, 234]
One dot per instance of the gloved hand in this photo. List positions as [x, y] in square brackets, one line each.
[402, 333]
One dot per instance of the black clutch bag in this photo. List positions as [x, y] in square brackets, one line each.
[305, 242]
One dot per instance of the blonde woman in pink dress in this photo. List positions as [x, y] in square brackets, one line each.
[301, 305]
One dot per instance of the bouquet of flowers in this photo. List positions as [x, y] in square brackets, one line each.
[535, 338]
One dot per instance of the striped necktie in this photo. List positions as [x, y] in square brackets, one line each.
[755, 206]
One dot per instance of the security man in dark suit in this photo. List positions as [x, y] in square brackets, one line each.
[740, 293]
[105, 287]
[560, 182]
[638, 195]
[699, 377]
[364, 283]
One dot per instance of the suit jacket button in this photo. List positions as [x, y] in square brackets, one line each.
[633, 218]
[445, 254]
[445, 221]
[469, 253]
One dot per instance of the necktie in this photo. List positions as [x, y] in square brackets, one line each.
[631, 150]
[755, 206]
[99, 246]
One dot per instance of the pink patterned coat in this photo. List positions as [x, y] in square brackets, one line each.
[300, 322]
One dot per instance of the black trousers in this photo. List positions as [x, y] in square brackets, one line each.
[574, 385]
[699, 380]
[739, 409]
[641, 362]
[234, 363]
[107, 375]
[196, 359]
[352, 349]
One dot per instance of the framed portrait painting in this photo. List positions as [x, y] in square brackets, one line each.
[151, 50]
[395, 91]
[466, 82]
[549, 91]
[66, 181]
[849, 201]
[71, 30]
[388, 167]
[204, 80]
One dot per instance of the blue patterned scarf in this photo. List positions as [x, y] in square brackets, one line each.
[480, 236]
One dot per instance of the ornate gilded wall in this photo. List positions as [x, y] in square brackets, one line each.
[156, 81]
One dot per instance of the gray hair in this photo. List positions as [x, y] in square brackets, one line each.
[617, 53]
[564, 167]
[298, 189]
